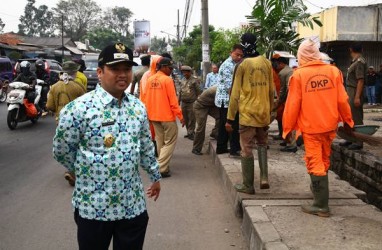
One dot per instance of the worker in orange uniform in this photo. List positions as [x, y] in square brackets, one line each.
[316, 102]
[162, 109]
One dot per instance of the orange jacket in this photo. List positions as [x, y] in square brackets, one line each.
[160, 99]
[153, 69]
[317, 100]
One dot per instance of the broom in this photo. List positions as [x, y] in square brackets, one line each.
[356, 136]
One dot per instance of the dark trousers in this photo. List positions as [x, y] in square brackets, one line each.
[96, 235]
[223, 136]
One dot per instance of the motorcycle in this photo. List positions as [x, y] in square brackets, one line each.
[19, 95]
[3, 90]
[43, 93]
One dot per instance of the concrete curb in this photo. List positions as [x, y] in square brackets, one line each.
[258, 225]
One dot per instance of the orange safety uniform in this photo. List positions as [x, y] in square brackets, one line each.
[316, 102]
[160, 99]
[142, 84]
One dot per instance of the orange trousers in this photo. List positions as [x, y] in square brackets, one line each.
[317, 152]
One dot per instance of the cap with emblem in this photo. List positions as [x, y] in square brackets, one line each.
[164, 61]
[185, 68]
[114, 54]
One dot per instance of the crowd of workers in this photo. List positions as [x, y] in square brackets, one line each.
[104, 135]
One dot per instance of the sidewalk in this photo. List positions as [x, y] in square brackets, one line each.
[272, 219]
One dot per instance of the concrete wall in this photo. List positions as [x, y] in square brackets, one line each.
[360, 23]
[360, 169]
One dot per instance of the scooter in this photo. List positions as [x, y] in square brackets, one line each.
[43, 93]
[16, 107]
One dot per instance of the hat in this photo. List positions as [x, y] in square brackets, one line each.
[164, 61]
[114, 54]
[371, 67]
[70, 66]
[185, 68]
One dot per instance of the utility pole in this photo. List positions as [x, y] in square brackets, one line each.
[205, 40]
[177, 32]
[62, 37]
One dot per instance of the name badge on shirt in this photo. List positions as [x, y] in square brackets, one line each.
[108, 123]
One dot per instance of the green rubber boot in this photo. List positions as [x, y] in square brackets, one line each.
[263, 163]
[248, 172]
[320, 189]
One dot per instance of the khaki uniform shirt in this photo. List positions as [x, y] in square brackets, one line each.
[189, 89]
[61, 94]
[356, 71]
[207, 98]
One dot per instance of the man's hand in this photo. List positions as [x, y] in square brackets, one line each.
[357, 102]
[348, 130]
[228, 127]
[154, 190]
[183, 122]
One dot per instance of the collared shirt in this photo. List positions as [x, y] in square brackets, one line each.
[356, 71]
[211, 80]
[189, 89]
[108, 184]
[224, 83]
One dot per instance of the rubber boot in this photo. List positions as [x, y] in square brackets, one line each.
[263, 164]
[248, 172]
[320, 189]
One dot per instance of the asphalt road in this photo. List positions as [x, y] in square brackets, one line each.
[35, 210]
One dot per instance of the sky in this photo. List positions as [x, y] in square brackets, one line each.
[162, 14]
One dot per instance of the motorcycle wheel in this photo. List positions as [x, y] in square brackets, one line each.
[11, 119]
[3, 96]
[34, 120]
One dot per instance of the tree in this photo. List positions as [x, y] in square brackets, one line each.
[190, 52]
[222, 44]
[118, 20]
[101, 37]
[271, 21]
[36, 21]
[1, 26]
[79, 16]
[158, 45]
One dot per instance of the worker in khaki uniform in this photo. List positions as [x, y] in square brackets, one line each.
[355, 83]
[63, 92]
[285, 72]
[189, 92]
[204, 106]
[162, 109]
[252, 96]
[316, 102]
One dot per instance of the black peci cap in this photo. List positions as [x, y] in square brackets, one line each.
[164, 61]
[114, 54]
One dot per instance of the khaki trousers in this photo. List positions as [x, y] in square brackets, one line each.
[189, 116]
[249, 136]
[166, 134]
[201, 114]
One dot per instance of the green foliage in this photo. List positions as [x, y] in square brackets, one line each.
[271, 21]
[222, 44]
[158, 45]
[36, 21]
[101, 37]
[118, 19]
[80, 16]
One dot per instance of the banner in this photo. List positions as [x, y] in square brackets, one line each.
[141, 36]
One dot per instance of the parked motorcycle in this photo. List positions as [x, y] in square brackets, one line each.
[3, 90]
[17, 99]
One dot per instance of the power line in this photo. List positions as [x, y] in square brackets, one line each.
[315, 5]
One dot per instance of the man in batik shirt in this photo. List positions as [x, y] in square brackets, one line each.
[104, 137]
